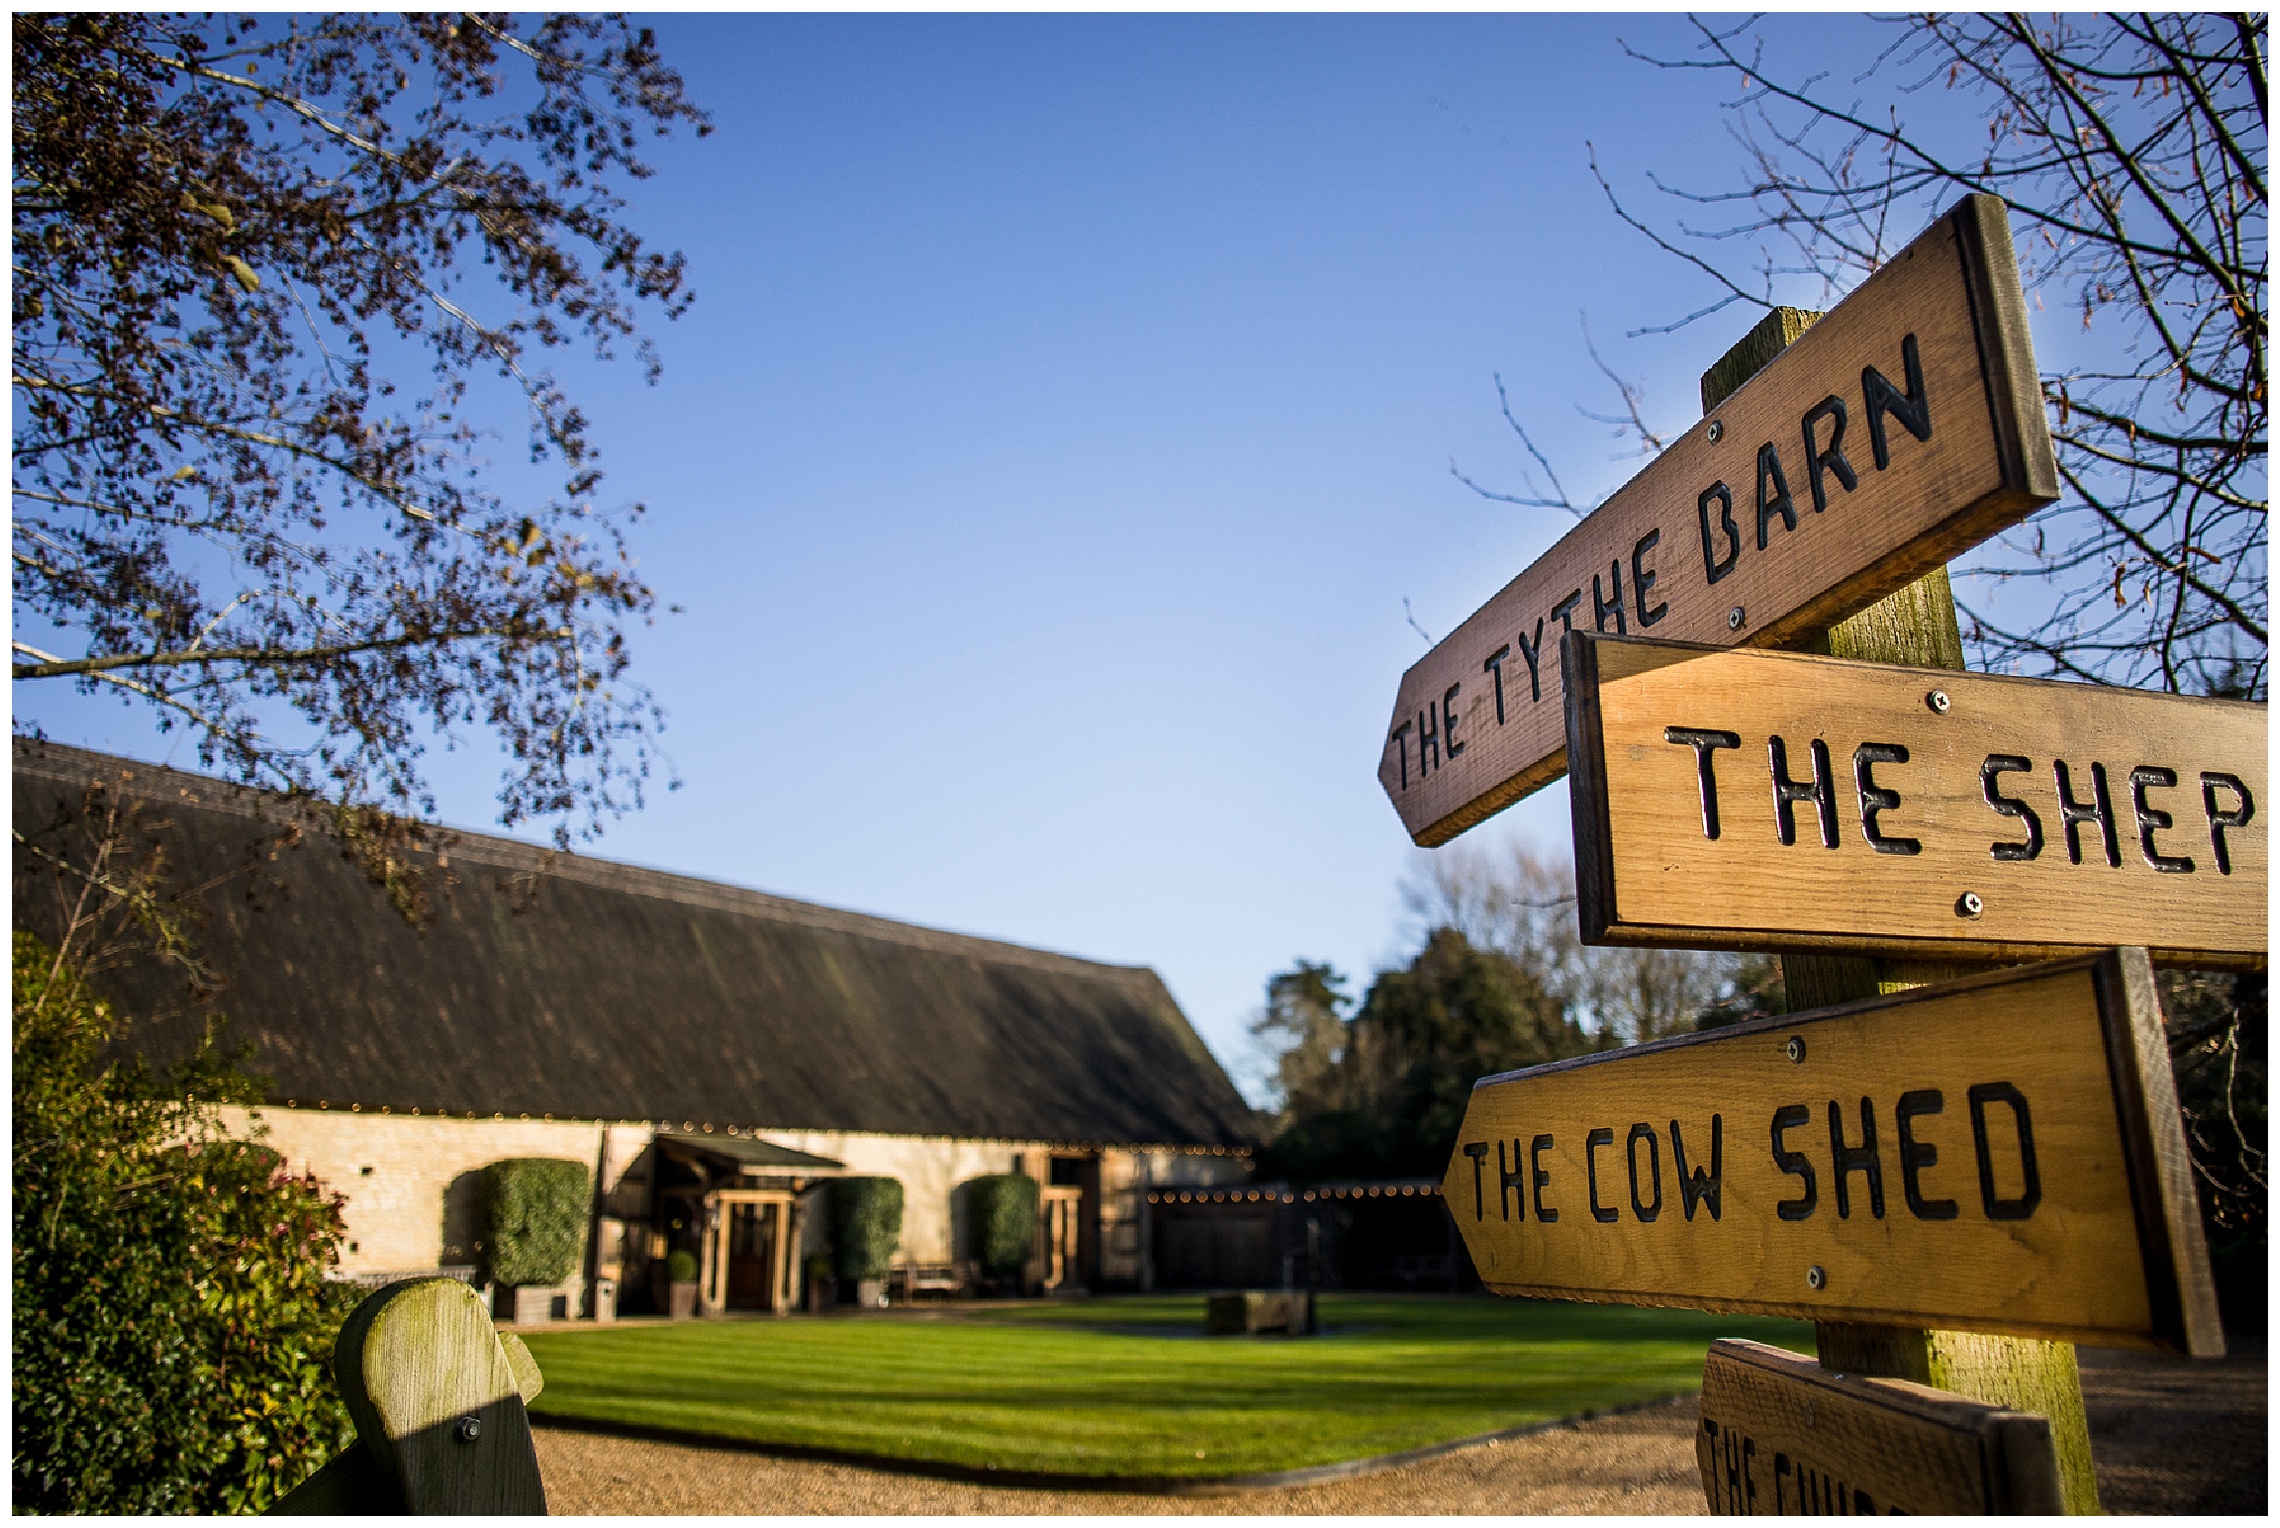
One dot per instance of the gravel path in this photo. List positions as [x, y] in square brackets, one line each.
[2169, 1434]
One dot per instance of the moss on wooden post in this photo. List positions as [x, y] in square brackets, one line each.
[1917, 626]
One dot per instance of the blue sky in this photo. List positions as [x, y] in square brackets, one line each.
[1064, 417]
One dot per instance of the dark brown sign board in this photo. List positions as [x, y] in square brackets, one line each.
[2001, 1154]
[1780, 1435]
[1751, 800]
[1903, 428]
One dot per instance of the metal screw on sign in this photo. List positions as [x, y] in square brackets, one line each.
[469, 1429]
[1938, 701]
[1734, 619]
[1796, 1047]
[1969, 906]
[1715, 431]
[1815, 1277]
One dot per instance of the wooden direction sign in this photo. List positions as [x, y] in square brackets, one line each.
[1752, 800]
[1781, 1435]
[2001, 1154]
[1904, 427]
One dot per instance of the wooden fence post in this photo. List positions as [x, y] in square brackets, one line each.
[438, 1397]
[1916, 625]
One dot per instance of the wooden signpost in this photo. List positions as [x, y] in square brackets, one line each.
[1999, 1155]
[1727, 799]
[1781, 1435]
[1901, 429]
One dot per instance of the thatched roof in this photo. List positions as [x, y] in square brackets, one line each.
[555, 984]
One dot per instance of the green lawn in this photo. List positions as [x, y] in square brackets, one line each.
[1130, 1386]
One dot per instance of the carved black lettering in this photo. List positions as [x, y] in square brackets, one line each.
[1781, 1469]
[1603, 607]
[1828, 459]
[1710, 1430]
[1401, 741]
[1769, 474]
[1531, 651]
[1539, 1180]
[1712, 567]
[1696, 1186]
[1845, 1160]
[1511, 1181]
[2010, 806]
[2099, 809]
[1449, 721]
[1428, 738]
[1478, 1151]
[2243, 809]
[1604, 1136]
[1981, 1095]
[1704, 743]
[1917, 1155]
[1785, 1119]
[1821, 791]
[1493, 665]
[1878, 398]
[1874, 800]
[1642, 1131]
[2150, 818]
[1643, 578]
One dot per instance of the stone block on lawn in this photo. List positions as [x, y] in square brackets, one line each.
[1261, 1310]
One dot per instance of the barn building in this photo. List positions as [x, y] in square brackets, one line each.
[711, 1054]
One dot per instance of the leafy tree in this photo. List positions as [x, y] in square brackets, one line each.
[1302, 1027]
[231, 236]
[1392, 1101]
[172, 1322]
[2131, 150]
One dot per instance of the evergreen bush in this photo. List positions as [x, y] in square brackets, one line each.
[866, 1226]
[173, 1327]
[1003, 1212]
[680, 1266]
[537, 1213]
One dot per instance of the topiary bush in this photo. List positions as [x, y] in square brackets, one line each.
[680, 1266]
[866, 1225]
[1003, 1211]
[537, 1218]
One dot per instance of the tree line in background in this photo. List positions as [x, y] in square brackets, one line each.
[1378, 1088]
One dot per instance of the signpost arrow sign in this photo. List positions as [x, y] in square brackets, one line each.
[1904, 427]
[1752, 800]
[2001, 1154]
[1779, 1434]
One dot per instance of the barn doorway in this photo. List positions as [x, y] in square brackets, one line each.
[751, 1263]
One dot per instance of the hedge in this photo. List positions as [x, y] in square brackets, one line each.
[537, 1218]
[866, 1225]
[1003, 1211]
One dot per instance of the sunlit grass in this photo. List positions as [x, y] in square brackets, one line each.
[1129, 1385]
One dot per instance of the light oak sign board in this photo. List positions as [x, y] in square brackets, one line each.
[1781, 1436]
[2001, 1154]
[1904, 427]
[1751, 800]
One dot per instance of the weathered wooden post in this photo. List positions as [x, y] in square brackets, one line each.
[438, 1396]
[1916, 626]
